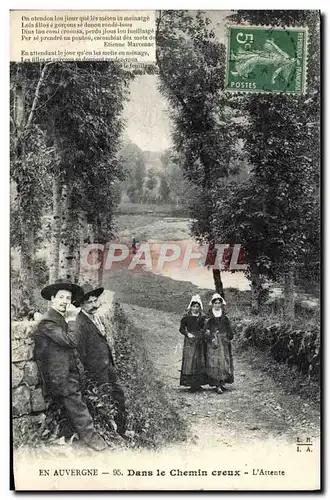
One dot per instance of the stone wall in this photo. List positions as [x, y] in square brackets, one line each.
[26, 396]
[27, 401]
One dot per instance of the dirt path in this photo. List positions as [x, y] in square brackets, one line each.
[253, 409]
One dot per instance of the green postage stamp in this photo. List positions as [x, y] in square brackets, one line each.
[266, 59]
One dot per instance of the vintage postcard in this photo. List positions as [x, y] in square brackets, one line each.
[165, 250]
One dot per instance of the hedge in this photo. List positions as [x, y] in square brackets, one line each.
[284, 342]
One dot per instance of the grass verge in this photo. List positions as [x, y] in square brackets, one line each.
[151, 414]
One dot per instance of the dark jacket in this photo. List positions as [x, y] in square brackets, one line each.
[94, 351]
[217, 328]
[193, 356]
[56, 356]
[192, 324]
[219, 359]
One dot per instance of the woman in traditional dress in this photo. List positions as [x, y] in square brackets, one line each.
[193, 359]
[218, 334]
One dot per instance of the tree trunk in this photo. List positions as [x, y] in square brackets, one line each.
[255, 288]
[100, 270]
[72, 261]
[27, 258]
[289, 300]
[82, 241]
[217, 282]
[28, 222]
[19, 109]
[66, 246]
[90, 275]
[77, 266]
[56, 231]
[27, 235]
[82, 272]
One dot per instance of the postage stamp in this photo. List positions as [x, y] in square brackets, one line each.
[266, 59]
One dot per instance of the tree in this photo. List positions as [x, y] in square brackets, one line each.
[164, 190]
[132, 162]
[268, 209]
[151, 181]
[69, 139]
[87, 116]
[29, 171]
[178, 188]
[191, 66]
[283, 147]
[271, 212]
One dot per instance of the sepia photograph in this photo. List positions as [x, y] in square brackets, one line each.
[165, 243]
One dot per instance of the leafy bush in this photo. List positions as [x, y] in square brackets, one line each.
[23, 299]
[287, 343]
[20, 300]
[102, 408]
[27, 431]
[40, 272]
[54, 424]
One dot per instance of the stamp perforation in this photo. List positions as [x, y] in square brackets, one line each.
[274, 27]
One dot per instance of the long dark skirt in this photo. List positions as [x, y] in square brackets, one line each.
[193, 369]
[219, 361]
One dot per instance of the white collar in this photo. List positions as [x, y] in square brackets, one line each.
[217, 314]
[96, 320]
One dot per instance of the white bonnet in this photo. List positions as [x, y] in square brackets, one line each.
[217, 296]
[195, 298]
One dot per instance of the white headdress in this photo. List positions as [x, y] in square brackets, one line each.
[195, 298]
[217, 296]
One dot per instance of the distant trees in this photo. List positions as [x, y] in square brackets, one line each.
[153, 185]
[164, 190]
[151, 180]
[134, 170]
[174, 188]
